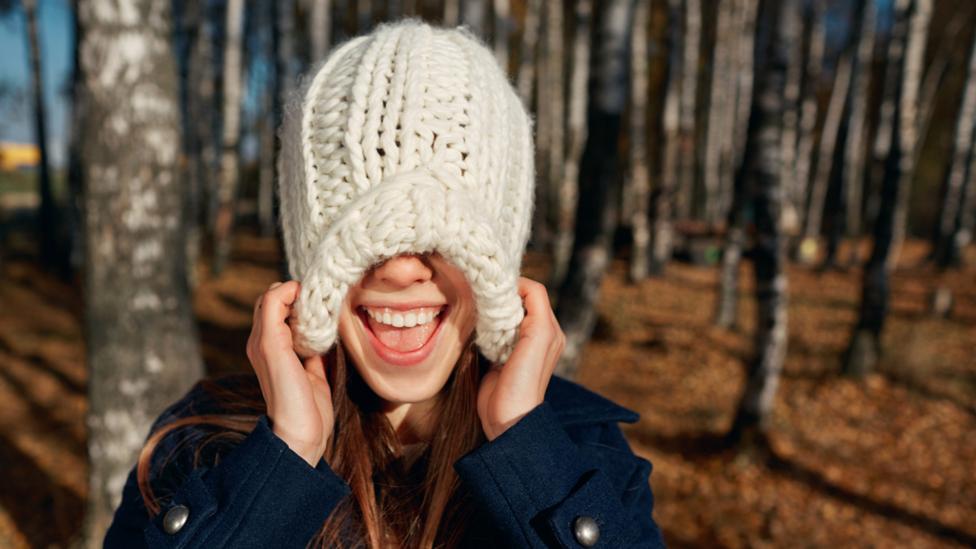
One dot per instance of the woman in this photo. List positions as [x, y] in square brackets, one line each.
[403, 393]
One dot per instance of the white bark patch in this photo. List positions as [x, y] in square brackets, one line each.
[144, 257]
[134, 388]
[141, 213]
[154, 364]
[146, 300]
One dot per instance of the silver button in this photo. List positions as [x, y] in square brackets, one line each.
[586, 530]
[175, 519]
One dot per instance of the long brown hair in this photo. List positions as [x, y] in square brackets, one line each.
[392, 503]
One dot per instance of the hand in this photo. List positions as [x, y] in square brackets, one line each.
[513, 390]
[296, 391]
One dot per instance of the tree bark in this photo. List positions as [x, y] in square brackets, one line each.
[664, 196]
[568, 186]
[503, 31]
[639, 177]
[762, 171]
[599, 184]
[231, 135]
[865, 344]
[49, 229]
[142, 347]
[809, 107]
[474, 14]
[686, 118]
[854, 150]
[807, 252]
[530, 40]
[791, 118]
[946, 249]
[320, 27]
[722, 87]
[912, 123]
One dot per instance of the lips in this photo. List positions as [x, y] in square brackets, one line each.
[401, 345]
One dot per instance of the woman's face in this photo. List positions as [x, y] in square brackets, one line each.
[405, 323]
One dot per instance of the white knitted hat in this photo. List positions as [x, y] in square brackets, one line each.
[408, 139]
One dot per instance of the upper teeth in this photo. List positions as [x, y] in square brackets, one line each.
[403, 319]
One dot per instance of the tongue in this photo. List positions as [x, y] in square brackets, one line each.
[403, 339]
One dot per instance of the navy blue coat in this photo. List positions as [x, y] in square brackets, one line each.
[566, 458]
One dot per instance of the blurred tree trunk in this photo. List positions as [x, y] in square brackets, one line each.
[231, 135]
[854, 150]
[74, 206]
[530, 40]
[545, 96]
[664, 195]
[192, 61]
[913, 118]
[474, 14]
[551, 109]
[947, 250]
[568, 185]
[825, 160]
[142, 346]
[599, 184]
[726, 314]
[503, 31]
[364, 16]
[48, 221]
[639, 183]
[791, 117]
[320, 26]
[686, 118]
[809, 106]
[452, 12]
[267, 156]
[719, 121]
[762, 174]
[864, 347]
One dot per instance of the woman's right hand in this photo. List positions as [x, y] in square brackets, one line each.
[296, 391]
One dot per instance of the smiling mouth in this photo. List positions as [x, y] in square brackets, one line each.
[402, 336]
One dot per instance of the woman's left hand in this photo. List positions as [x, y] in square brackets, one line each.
[509, 392]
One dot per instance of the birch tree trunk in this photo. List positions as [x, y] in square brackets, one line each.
[452, 12]
[319, 28]
[686, 118]
[825, 160]
[474, 14]
[639, 177]
[555, 104]
[599, 185]
[734, 190]
[854, 150]
[865, 344]
[947, 249]
[231, 135]
[663, 200]
[762, 171]
[530, 40]
[577, 131]
[809, 107]
[503, 31]
[722, 87]
[48, 222]
[912, 122]
[142, 348]
[791, 117]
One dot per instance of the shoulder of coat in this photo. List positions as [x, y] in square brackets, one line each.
[577, 405]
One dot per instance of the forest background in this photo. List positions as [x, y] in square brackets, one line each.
[754, 218]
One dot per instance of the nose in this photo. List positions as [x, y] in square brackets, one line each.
[402, 271]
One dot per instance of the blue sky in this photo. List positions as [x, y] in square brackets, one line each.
[57, 39]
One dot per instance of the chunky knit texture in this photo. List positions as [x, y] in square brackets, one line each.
[408, 139]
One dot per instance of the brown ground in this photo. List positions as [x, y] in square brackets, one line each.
[887, 461]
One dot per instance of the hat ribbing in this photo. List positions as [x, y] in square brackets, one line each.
[409, 139]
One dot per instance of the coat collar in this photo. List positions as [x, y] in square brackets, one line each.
[577, 405]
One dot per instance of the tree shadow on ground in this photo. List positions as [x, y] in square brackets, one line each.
[34, 490]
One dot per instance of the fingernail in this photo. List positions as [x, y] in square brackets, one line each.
[275, 285]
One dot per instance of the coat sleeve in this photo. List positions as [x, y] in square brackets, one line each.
[261, 494]
[535, 482]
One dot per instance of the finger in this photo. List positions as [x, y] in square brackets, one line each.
[538, 311]
[278, 301]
